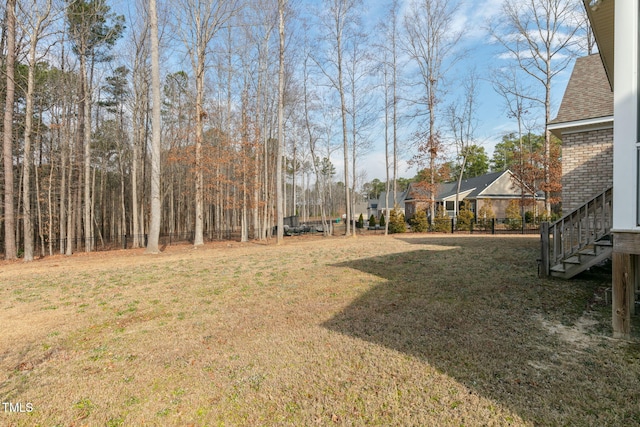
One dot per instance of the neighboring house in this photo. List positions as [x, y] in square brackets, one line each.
[585, 126]
[361, 208]
[379, 206]
[497, 189]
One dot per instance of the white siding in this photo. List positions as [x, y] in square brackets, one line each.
[625, 175]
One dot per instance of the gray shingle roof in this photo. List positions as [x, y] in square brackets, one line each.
[588, 94]
[382, 203]
[477, 183]
[448, 189]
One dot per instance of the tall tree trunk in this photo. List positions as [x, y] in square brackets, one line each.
[280, 149]
[86, 89]
[199, 178]
[345, 140]
[70, 205]
[50, 207]
[547, 148]
[28, 127]
[154, 227]
[7, 146]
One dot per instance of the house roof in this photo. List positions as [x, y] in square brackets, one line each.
[469, 188]
[474, 185]
[382, 202]
[588, 94]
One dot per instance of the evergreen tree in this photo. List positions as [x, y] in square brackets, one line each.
[396, 222]
[442, 222]
[419, 222]
[465, 217]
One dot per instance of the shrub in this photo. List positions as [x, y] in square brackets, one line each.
[442, 222]
[372, 221]
[529, 217]
[486, 215]
[514, 219]
[550, 218]
[419, 222]
[396, 222]
[465, 217]
[360, 223]
[383, 222]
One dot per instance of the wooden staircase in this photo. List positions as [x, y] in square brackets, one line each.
[579, 240]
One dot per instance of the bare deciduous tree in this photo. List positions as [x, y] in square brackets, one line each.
[431, 42]
[280, 150]
[10, 251]
[338, 21]
[200, 22]
[390, 67]
[154, 226]
[517, 102]
[462, 124]
[539, 36]
[34, 26]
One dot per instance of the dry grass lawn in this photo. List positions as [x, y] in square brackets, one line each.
[410, 330]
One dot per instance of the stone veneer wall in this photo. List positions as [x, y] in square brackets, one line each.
[587, 166]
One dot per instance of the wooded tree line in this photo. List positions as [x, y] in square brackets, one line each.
[260, 103]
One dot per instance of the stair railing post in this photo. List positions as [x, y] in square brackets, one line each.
[544, 256]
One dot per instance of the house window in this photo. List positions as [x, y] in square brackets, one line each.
[450, 205]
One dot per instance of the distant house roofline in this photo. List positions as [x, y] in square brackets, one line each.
[471, 187]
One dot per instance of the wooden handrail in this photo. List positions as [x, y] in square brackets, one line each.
[579, 228]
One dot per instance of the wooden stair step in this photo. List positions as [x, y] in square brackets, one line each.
[588, 251]
[572, 260]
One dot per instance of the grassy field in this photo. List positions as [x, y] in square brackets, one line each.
[411, 330]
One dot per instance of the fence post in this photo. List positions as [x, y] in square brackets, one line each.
[493, 226]
[452, 225]
[125, 242]
[544, 247]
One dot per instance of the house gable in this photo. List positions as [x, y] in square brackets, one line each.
[501, 187]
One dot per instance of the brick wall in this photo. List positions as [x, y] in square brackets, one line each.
[587, 166]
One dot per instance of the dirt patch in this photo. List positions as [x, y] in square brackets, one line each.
[580, 334]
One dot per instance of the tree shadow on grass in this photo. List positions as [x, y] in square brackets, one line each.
[475, 310]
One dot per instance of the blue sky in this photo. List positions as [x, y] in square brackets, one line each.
[483, 55]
